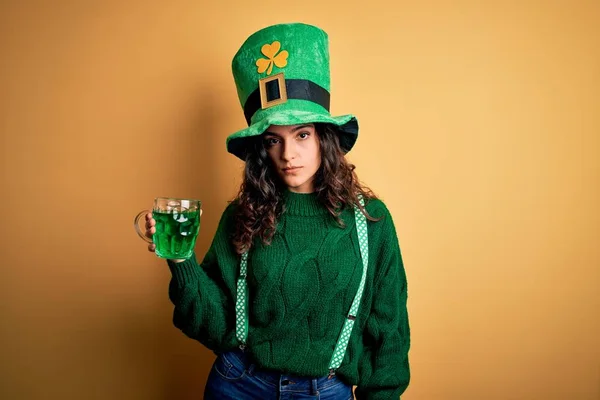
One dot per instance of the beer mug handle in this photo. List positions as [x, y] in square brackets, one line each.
[137, 226]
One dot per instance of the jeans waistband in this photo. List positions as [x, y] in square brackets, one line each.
[286, 382]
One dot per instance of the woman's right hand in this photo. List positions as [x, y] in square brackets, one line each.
[150, 230]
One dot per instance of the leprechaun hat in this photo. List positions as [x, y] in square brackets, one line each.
[282, 77]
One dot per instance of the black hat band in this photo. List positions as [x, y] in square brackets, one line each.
[274, 92]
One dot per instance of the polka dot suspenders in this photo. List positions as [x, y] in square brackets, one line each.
[241, 303]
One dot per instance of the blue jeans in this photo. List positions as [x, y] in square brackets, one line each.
[234, 377]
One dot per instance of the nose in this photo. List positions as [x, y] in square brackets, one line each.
[289, 151]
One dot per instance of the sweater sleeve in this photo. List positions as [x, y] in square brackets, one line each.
[385, 372]
[203, 293]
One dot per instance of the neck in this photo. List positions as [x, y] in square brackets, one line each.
[304, 204]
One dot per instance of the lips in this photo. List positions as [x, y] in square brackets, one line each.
[289, 170]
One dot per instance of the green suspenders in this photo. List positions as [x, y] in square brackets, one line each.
[241, 303]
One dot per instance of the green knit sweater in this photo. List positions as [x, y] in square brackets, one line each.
[301, 287]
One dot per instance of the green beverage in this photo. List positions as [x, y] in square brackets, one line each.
[176, 233]
[177, 226]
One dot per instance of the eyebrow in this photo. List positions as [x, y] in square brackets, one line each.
[293, 129]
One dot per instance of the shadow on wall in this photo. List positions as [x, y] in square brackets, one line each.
[180, 364]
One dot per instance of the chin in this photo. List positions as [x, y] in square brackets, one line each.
[295, 184]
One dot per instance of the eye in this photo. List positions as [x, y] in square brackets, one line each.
[303, 135]
[271, 141]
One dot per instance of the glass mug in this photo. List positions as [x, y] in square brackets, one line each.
[177, 226]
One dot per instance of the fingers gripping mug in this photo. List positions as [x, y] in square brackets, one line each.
[177, 226]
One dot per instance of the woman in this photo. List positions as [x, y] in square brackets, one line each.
[302, 293]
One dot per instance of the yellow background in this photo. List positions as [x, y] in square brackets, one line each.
[480, 128]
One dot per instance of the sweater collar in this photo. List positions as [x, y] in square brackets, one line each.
[303, 204]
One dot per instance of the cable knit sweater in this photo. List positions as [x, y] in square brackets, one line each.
[301, 287]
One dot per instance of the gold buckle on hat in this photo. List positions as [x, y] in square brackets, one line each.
[262, 85]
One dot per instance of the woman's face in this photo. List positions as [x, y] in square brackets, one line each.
[295, 154]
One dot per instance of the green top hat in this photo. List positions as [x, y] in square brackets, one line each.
[282, 77]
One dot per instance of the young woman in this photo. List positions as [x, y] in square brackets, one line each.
[302, 294]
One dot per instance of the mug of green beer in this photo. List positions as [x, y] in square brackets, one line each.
[177, 226]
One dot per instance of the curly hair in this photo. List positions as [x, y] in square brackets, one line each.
[260, 198]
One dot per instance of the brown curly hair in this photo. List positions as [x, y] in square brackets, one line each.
[260, 198]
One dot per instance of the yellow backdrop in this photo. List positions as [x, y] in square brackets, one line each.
[480, 128]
